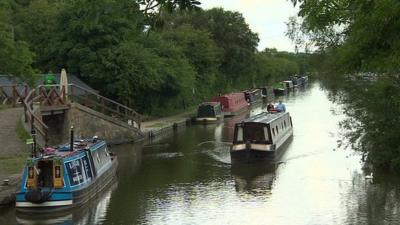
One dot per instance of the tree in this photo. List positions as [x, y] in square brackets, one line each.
[365, 41]
[202, 53]
[15, 57]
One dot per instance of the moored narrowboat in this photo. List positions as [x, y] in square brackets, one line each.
[261, 137]
[209, 112]
[253, 96]
[280, 88]
[63, 177]
[267, 92]
[232, 104]
[289, 84]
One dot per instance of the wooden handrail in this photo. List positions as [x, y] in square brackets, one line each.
[30, 116]
[104, 103]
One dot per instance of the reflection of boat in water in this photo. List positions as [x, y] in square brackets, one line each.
[253, 177]
[64, 177]
[91, 213]
[261, 137]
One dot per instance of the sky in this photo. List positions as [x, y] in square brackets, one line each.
[266, 17]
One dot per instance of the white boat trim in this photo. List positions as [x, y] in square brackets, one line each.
[207, 119]
[44, 204]
[257, 147]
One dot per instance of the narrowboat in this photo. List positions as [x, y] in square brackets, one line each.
[296, 81]
[289, 84]
[280, 88]
[232, 104]
[209, 112]
[253, 96]
[65, 176]
[267, 92]
[261, 137]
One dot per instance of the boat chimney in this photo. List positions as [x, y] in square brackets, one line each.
[71, 148]
[33, 134]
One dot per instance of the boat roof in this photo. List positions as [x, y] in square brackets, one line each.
[265, 117]
[64, 149]
[210, 103]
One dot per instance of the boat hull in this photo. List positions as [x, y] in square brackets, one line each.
[79, 197]
[249, 155]
[280, 91]
[208, 120]
[235, 113]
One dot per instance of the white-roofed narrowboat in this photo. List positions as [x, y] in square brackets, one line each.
[261, 137]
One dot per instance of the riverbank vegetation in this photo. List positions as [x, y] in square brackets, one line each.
[359, 39]
[154, 56]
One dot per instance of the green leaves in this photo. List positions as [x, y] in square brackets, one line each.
[15, 57]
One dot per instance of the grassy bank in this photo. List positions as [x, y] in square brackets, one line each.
[12, 164]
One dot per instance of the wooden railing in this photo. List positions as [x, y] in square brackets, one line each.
[53, 96]
[13, 94]
[104, 105]
[32, 117]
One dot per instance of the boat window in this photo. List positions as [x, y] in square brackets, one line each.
[239, 136]
[284, 122]
[205, 111]
[273, 131]
[254, 132]
[266, 136]
[277, 129]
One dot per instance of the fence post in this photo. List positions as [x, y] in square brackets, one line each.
[14, 96]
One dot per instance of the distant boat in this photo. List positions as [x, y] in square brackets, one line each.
[253, 96]
[280, 89]
[289, 84]
[64, 177]
[232, 104]
[209, 112]
[267, 92]
[261, 137]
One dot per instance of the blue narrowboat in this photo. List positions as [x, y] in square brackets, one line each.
[63, 177]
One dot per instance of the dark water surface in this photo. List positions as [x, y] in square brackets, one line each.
[186, 178]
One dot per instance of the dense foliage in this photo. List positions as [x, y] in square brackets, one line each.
[155, 56]
[360, 38]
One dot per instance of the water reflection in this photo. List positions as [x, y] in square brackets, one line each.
[93, 212]
[253, 178]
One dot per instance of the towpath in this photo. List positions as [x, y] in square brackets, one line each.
[13, 153]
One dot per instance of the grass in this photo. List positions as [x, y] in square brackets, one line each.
[21, 132]
[12, 164]
[3, 107]
[157, 125]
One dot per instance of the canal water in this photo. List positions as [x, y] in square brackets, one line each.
[187, 178]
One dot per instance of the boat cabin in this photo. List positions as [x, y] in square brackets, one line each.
[232, 104]
[253, 96]
[289, 84]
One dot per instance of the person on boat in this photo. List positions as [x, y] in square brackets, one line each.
[281, 107]
[270, 107]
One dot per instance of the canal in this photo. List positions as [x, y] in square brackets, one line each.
[187, 178]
